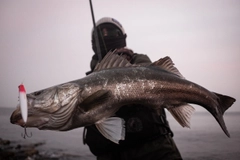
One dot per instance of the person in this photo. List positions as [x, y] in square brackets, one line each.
[148, 135]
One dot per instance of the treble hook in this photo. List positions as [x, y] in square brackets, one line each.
[25, 133]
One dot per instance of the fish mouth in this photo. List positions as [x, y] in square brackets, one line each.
[40, 123]
[32, 121]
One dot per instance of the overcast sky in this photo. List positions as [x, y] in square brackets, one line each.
[47, 42]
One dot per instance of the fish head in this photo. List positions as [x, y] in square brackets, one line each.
[50, 108]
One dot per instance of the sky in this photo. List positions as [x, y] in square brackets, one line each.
[48, 42]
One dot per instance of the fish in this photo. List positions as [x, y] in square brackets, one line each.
[95, 98]
[23, 102]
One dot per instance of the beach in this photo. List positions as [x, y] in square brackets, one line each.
[204, 141]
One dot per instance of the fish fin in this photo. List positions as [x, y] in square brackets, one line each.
[112, 128]
[225, 102]
[222, 124]
[182, 114]
[112, 60]
[96, 99]
[167, 64]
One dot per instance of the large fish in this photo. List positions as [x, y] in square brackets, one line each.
[95, 98]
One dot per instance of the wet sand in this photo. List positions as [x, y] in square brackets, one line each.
[204, 141]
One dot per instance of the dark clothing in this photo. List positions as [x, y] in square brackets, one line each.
[146, 138]
[160, 148]
[148, 135]
[109, 36]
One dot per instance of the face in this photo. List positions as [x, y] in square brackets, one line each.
[49, 108]
[109, 30]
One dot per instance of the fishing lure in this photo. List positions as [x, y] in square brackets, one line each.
[23, 102]
[23, 107]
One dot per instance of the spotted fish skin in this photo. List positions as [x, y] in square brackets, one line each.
[114, 83]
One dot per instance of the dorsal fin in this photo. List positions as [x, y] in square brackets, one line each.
[112, 60]
[167, 64]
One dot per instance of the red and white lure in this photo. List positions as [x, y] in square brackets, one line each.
[23, 102]
[23, 107]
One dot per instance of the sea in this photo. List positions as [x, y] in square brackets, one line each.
[205, 140]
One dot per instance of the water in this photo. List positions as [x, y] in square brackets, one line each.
[56, 143]
[204, 141]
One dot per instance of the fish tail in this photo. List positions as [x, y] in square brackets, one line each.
[220, 120]
[224, 103]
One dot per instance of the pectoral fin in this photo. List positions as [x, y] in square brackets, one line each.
[96, 99]
[182, 114]
[112, 128]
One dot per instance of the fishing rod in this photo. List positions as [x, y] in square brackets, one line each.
[98, 54]
[95, 34]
